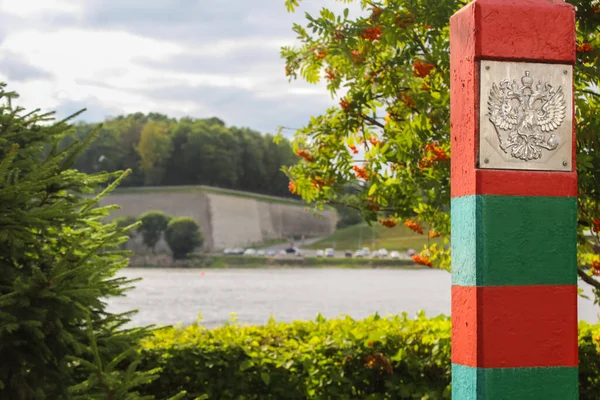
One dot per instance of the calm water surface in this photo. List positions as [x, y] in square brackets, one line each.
[169, 296]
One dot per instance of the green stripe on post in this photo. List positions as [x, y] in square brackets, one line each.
[552, 383]
[514, 240]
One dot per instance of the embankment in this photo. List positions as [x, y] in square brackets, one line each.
[227, 218]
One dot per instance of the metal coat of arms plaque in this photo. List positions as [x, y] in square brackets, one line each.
[526, 116]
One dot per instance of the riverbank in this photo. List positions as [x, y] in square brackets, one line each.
[220, 261]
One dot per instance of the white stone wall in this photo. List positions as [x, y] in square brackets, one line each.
[225, 221]
[236, 221]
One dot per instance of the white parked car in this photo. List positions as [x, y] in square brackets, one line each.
[227, 252]
[329, 252]
[250, 252]
[320, 253]
[359, 253]
[411, 252]
[394, 255]
[260, 253]
[366, 252]
[383, 253]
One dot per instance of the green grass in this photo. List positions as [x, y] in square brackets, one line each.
[399, 238]
[213, 261]
[209, 189]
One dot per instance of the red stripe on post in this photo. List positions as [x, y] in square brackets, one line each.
[539, 31]
[514, 326]
[524, 183]
[515, 183]
[465, 338]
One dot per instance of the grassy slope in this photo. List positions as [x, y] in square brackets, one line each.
[209, 189]
[398, 238]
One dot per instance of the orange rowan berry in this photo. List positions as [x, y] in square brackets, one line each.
[433, 153]
[433, 234]
[372, 34]
[422, 69]
[345, 104]
[422, 260]
[388, 222]
[584, 48]
[292, 187]
[361, 172]
[357, 57]
[596, 227]
[321, 54]
[596, 268]
[407, 100]
[304, 154]
[372, 204]
[413, 226]
[330, 75]
[374, 141]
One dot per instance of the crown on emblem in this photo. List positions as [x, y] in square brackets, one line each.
[527, 80]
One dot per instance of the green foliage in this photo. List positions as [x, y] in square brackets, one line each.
[375, 358]
[589, 364]
[183, 236]
[153, 224]
[164, 151]
[58, 262]
[325, 359]
[390, 135]
[154, 149]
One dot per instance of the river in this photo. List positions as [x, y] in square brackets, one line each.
[169, 296]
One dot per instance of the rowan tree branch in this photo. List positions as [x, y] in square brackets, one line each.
[591, 92]
[588, 279]
[372, 121]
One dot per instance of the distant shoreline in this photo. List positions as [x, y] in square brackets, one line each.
[254, 262]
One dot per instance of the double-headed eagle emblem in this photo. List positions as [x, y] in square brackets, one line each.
[525, 116]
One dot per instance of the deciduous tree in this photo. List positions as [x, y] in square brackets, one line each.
[389, 136]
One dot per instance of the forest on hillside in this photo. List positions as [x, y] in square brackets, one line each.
[166, 151]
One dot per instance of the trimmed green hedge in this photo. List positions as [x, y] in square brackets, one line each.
[374, 358]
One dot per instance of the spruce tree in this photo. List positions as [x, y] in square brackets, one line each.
[58, 265]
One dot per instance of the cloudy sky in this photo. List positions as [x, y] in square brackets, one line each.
[200, 58]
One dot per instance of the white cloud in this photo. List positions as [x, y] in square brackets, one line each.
[29, 8]
[229, 47]
[143, 63]
[80, 53]
[74, 54]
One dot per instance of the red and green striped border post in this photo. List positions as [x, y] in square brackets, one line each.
[514, 279]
